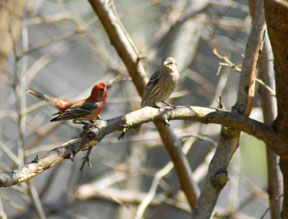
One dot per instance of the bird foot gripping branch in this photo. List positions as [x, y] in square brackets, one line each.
[88, 136]
[86, 159]
[125, 129]
[169, 104]
[91, 131]
[164, 116]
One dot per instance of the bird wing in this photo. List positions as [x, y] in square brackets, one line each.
[151, 83]
[78, 111]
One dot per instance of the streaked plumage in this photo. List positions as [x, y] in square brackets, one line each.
[161, 83]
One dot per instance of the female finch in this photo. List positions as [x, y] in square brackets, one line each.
[161, 83]
[86, 109]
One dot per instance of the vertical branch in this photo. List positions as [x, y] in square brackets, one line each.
[130, 56]
[36, 200]
[276, 19]
[20, 142]
[269, 114]
[229, 139]
[20, 101]
[21, 94]
[268, 104]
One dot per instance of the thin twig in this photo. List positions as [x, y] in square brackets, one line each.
[230, 64]
[9, 153]
[20, 101]
[52, 41]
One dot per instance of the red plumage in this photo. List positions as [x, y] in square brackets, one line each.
[85, 109]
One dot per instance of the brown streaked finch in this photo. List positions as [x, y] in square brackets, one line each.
[161, 83]
[79, 110]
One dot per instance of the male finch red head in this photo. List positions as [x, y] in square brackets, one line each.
[86, 109]
[161, 83]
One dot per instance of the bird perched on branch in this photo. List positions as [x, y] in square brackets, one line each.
[86, 109]
[161, 83]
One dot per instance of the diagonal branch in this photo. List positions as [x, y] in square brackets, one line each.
[90, 137]
[121, 41]
[131, 57]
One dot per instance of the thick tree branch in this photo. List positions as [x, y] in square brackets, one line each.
[268, 104]
[277, 25]
[39, 164]
[90, 137]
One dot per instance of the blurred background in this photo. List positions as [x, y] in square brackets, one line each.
[59, 47]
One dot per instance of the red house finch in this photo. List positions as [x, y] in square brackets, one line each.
[86, 109]
[161, 83]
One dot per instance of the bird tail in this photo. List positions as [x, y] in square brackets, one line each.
[39, 95]
[55, 119]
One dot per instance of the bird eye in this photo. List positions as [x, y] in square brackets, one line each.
[102, 89]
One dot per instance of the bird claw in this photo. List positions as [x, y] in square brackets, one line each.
[72, 156]
[121, 136]
[95, 123]
[156, 106]
[168, 104]
[99, 117]
[78, 122]
[81, 122]
[91, 123]
[86, 127]
[88, 132]
[164, 117]
[125, 128]
[86, 159]
[166, 122]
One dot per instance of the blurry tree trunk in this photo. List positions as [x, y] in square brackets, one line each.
[269, 114]
[277, 25]
[268, 103]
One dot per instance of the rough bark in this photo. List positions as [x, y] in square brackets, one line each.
[277, 25]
